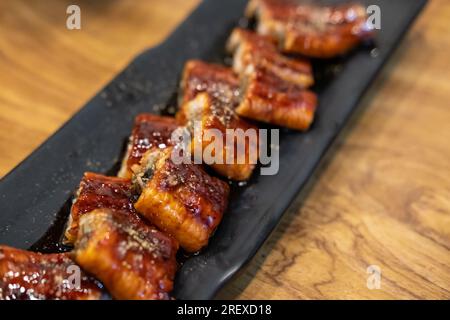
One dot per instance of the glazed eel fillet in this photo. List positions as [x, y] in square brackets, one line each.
[180, 199]
[133, 260]
[209, 94]
[97, 191]
[252, 51]
[119, 247]
[311, 30]
[273, 86]
[149, 130]
[26, 275]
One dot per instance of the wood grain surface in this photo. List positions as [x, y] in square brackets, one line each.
[381, 197]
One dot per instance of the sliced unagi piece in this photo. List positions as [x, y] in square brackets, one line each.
[311, 30]
[98, 191]
[26, 275]
[180, 199]
[218, 81]
[251, 51]
[210, 94]
[273, 85]
[133, 260]
[269, 99]
[149, 130]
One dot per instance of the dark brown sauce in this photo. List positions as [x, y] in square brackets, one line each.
[116, 166]
[170, 108]
[51, 241]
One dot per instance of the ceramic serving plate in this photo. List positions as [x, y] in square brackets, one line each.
[35, 197]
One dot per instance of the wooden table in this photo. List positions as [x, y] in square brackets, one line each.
[382, 196]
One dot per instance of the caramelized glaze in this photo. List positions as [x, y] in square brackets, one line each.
[149, 131]
[253, 51]
[98, 191]
[132, 259]
[183, 200]
[271, 100]
[218, 81]
[26, 275]
[312, 30]
[210, 96]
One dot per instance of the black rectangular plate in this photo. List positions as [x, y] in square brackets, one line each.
[35, 196]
